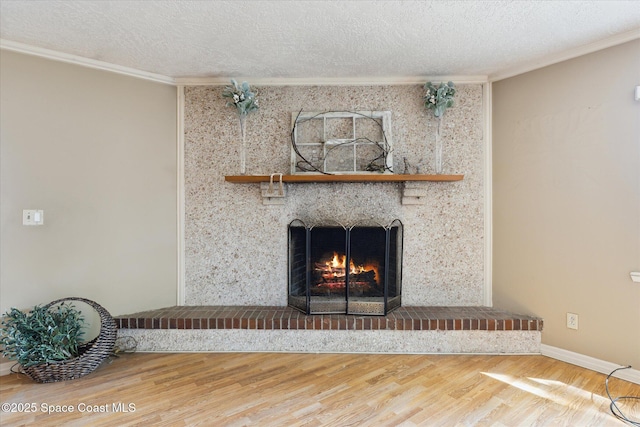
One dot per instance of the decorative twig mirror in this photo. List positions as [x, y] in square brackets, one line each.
[334, 142]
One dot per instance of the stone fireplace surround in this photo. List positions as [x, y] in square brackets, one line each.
[236, 247]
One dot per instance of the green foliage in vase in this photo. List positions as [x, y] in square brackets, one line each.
[439, 98]
[240, 97]
[42, 335]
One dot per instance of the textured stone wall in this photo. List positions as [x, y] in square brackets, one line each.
[304, 341]
[236, 247]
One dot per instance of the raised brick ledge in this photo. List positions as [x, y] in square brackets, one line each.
[270, 318]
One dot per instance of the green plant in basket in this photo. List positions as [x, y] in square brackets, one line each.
[42, 335]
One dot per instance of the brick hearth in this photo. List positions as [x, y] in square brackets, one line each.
[285, 318]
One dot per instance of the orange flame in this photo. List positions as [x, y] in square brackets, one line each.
[337, 267]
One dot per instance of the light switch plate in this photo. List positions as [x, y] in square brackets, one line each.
[32, 217]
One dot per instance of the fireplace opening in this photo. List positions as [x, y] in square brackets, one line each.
[345, 269]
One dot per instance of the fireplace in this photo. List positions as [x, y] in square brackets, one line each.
[340, 269]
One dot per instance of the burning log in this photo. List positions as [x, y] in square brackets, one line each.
[332, 275]
[366, 277]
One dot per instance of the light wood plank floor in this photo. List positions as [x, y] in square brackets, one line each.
[266, 389]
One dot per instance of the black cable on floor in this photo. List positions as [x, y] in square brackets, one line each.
[615, 410]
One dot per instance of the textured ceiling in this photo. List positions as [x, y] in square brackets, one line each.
[306, 39]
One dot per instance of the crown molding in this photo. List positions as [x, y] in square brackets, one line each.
[566, 55]
[222, 81]
[84, 62]
[330, 81]
[321, 81]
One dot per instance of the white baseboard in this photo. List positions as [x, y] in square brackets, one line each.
[602, 366]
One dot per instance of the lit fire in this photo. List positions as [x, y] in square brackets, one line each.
[333, 272]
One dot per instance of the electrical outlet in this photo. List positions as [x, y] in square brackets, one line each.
[572, 321]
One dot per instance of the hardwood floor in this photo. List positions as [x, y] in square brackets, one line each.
[274, 389]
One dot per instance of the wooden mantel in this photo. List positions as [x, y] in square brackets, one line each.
[273, 191]
[301, 178]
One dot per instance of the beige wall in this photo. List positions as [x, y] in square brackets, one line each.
[97, 152]
[566, 144]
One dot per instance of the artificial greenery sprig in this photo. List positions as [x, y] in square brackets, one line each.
[42, 335]
[241, 98]
[439, 98]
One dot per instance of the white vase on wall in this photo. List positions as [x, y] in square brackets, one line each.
[439, 147]
[243, 146]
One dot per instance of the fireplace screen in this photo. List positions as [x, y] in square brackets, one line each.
[338, 269]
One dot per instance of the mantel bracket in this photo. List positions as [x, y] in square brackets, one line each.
[414, 193]
[273, 194]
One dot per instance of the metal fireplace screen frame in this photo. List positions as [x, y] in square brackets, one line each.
[359, 243]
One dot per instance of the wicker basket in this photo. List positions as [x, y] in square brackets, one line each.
[92, 353]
